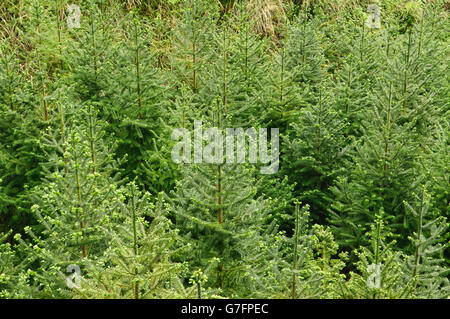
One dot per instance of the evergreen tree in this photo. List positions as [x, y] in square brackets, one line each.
[416, 71]
[356, 77]
[298, 278]
[315, 152]
[281, 96]
[436, 167]
[137, 264]
[136, 115]
[425, 266]
[90, 57]
[75, 206]
[192, 43]
[384, 173]
[215, 207]
[20, 149]
[304, 51]
[379, 268]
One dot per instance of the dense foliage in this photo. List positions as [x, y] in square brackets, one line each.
[92, 205]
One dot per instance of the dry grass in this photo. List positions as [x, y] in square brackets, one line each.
[268, 16]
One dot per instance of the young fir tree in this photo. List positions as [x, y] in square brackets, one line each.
[311, 267]
[328, 262]
[306, 57]
[417, 70]
[41, 85]
[191, 43]
[426, 265]
[379, 272]
[137, 264]
[216, 209]
[223, 82]
[241, 64]
[137, 113]
[314, 152]
[90, 57]
[296, 276]
[436, 166]
[384, 173]
[417, 75]
[281, 96]
[75, 205]
[298, 67]
[251, 50]
[21, 128]
[356, 76]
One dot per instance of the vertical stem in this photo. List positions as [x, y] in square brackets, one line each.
[294, 268]
[39, 65]
[220, 209]
[194, 52]
[37, 13]
[319, 133]
[349, 83]
[94, 50]
[58, 26]
[420, 36]
[43, 98]
[194, 63]
[135, 245]
[361, 44]
[304, 39]
[219, 192]
[91, 139]
[419, 50]
[388, 44]
[405, 79]
[244, 26]
[138, 72]
[388, 128]
[377, 250]
[224, 101]
[377, 245]
[224, 65]
[246, 59]
[282, 76]
[61, 120]
[419, 235]
[77, 177]
[8, 75]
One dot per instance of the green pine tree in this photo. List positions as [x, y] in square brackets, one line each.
[425, 266]
[137, 264]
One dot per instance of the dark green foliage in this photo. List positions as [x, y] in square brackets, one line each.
[426, 265]
[90, 188]
[314, 152]
[216, 208]
[136, 115]
[383, 174]
[21, 128]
